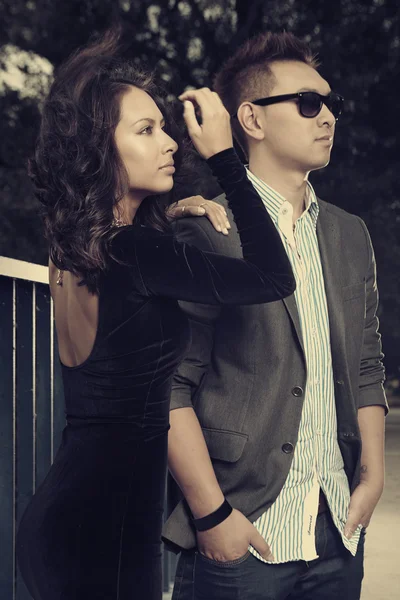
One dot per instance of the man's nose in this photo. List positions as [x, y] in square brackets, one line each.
[326, 117]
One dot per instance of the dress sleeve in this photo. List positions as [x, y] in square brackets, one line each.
[181, 271]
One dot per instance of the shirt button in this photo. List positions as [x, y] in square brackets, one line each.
[297, 391]
[340, 381]
[284, 211]
[287, 448]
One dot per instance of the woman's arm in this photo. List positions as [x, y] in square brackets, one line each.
[177, 270]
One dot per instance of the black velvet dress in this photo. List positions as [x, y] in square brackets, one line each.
[93, 529]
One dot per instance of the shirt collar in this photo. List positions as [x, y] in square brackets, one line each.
[274, 201]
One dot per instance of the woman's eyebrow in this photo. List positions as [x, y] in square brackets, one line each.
[150, 120]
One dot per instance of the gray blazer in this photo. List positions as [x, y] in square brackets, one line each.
[245, 372]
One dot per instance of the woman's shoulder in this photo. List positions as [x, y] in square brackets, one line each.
[135, 233]
[126, 241]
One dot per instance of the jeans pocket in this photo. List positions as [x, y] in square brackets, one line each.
[215, 580]
[229, 563]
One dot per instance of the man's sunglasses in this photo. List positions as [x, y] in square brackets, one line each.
[309, 103]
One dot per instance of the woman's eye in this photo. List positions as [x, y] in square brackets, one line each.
[147, 129]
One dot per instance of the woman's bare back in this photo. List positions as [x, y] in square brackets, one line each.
[76, 315]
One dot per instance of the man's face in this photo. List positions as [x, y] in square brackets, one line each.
[292, 140]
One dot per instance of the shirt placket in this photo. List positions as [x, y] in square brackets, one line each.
[310, 319]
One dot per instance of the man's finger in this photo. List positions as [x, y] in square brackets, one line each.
[350, 527]
[259, 544]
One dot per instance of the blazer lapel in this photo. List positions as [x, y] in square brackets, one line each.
[329, 239]
[291, 307]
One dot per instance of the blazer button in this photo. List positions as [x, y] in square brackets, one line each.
[297, 391]
[287, 448]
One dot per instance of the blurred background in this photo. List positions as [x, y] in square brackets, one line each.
[358, 42]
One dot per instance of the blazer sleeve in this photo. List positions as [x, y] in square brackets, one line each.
[179, 270]
[372, 372]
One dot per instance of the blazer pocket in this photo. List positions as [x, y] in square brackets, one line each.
[350, 292]
[225, 445]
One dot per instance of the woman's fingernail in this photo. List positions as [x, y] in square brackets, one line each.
[201, 210]
[218, 228]
[225, 231]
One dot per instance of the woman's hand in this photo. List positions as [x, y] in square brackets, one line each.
[214, 134]
[197, 206]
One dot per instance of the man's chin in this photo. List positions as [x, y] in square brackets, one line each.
[319, 165]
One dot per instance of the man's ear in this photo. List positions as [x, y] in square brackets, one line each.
[249, 118]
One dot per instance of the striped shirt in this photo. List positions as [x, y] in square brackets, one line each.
[288, 526]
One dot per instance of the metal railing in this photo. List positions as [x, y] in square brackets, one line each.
[31, 406]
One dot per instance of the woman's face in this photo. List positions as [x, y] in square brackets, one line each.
[145, 149]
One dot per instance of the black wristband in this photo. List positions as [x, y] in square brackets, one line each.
[215, 518]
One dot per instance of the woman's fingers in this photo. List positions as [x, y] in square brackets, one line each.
[197, 206]
[217, 216]
[189, 115]
[214, 134]
[208, 102]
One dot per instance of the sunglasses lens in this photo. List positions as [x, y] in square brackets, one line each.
[310, 104]
[335, 105]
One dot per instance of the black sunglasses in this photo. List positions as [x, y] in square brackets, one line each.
[309, 103]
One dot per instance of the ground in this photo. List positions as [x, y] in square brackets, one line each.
[382, 571]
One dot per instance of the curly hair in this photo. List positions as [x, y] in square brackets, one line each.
[77, 172]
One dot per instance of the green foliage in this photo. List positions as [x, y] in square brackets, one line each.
[358, 42]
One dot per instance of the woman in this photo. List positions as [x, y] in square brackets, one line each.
[105, 153]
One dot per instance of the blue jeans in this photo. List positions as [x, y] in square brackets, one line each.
[335, 575]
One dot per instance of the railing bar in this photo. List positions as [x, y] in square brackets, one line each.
[34, 409]
[51, 380]
[14, 431]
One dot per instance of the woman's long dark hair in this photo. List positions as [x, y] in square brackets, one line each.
[77, 171]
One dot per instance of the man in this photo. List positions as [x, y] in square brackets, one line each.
[279, 408]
